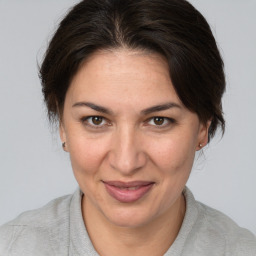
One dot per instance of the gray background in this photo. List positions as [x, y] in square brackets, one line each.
[33, 167]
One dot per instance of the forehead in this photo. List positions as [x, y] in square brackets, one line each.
[123, 74]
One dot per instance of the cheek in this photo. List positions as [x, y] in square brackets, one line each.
[86, 158]
[86, 155]
[173, 153]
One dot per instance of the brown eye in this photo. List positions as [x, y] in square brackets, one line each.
[158, 120]
[97, 120]
[161, 122]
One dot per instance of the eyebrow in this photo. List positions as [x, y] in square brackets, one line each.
[146, 111]
[160, 108]
[94, 107]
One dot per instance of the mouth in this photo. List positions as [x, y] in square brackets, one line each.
[128, 192]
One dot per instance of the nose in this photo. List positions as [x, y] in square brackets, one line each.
[127, 155]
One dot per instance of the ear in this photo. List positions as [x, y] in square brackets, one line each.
[63, 136]
[203, 135]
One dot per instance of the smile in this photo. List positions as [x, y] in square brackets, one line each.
[127, 192]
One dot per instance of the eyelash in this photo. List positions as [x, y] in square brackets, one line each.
[167, 121]
[85, 120]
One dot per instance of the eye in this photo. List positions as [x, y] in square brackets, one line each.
[160, 121]
[95, 121]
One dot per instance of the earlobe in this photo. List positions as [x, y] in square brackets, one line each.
[203, 135]
[63, 136]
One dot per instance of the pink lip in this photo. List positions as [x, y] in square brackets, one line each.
[127, 192]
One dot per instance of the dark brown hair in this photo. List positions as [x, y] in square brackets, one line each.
[172, 28]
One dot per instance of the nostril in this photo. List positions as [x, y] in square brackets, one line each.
[126, 154]
[127, 164]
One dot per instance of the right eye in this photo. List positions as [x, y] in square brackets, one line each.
[95, 121]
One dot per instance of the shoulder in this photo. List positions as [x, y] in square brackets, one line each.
[209, 230]
[223, 231]
[37, 230]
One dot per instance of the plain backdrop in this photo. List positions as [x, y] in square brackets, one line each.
[33, 167]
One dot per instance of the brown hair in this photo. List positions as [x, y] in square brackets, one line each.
[172, 28]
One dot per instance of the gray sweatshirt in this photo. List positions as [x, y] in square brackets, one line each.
[57, 229]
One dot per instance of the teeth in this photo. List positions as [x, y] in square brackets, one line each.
[130, 188]
[133, 188]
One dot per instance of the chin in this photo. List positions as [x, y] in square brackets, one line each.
[129, 218]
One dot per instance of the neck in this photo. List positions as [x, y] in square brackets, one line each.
[153, 238]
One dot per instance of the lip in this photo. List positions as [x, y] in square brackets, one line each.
[128, 192]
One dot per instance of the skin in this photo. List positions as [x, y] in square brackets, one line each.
[130, 144]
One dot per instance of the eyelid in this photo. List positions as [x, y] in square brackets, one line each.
[105, 122]
[94, 126]
[168, 119]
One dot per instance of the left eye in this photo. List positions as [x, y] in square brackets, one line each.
[159, 121]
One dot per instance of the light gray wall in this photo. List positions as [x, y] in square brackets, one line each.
[33, 167]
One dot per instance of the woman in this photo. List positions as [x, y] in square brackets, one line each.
[136, 88]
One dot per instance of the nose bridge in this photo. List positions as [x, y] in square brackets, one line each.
[127, 152]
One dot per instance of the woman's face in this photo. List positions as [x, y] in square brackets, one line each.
[131, 140]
